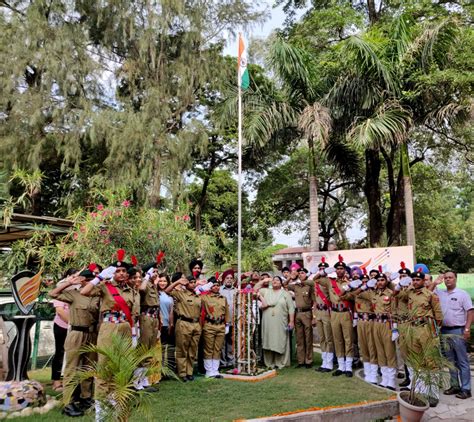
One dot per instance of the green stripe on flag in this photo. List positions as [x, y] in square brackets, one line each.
[245, 81]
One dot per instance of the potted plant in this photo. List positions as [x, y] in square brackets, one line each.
[119, 371]
[427, 373]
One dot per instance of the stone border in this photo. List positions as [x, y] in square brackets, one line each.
[361, 412]
[251, 378]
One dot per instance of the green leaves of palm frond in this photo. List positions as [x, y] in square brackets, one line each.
[116, 368]
[433, 44]
[368, 61]
[389, 124]
[292, 65]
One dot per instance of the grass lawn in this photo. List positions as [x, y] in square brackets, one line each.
[224, 400]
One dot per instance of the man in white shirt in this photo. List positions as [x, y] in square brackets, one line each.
[458, 315]
[228, 291]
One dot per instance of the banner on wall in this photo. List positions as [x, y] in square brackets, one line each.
[389, 258]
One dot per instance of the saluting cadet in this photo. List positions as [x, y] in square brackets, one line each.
[83, 318]
[216, 325]
[188, 328]
[322, 317]
[304, 301]
[117, 304]
[228, 291]
[384, 329]
[365, 336]
[150, 305]
[425, 319]
[402, 315]
[341, 319]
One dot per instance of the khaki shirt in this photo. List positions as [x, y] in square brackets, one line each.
[422, 303]
[402, 307]
[216, 306]
[333, 296]
[187, 304]
[304, 294]
[383, 301]
[325, 292]
[362, 305]
[149, 296]
[83, 310]
[108, 302]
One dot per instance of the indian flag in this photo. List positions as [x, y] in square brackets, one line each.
[244, 80]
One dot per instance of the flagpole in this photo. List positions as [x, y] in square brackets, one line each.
[239, 215]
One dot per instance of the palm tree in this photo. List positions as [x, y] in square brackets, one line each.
[294, 114]
[384, 100]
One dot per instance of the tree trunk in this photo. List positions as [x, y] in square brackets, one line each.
[313, 200]
[394, 229]
[154, 197]
[408, 198]
[372, 192]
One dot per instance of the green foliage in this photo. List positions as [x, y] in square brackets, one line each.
[114, 224]
[117, 369]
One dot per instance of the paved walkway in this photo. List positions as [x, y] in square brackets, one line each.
[449, 409]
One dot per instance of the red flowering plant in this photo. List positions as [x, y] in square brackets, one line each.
[115, 222]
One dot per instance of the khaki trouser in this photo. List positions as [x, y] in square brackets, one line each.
[420, 337]
[75, 359]
[323, 325]
[187, 340]
[402, 343]
[386, 353]
[367, 347]
[104, 340]
[149, 328]
[304, 337]
[214, 336]
[341, 324]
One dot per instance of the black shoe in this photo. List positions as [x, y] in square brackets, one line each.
[390, 388]
[319, 369]
[464, 394]
[151, 389]
[300, 365]
[325, 370]
[400, 376]
[184, 379]
[84, 404]
[451, 391]
[218, 376]
[72, 411]
[404, 389]
[405, 383]
[337, 373]
[190, 377]
[433, 401]
[309, 365]
[349, 374]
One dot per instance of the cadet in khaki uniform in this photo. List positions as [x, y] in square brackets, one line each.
[402, 315]
[383, 305]
[216, 324]
[365, 335]
[188, 328]
[425, 318]
[114, 319]
[304, 301]
[341, 319]
[322, 319]
[149, 311]
[83, 317]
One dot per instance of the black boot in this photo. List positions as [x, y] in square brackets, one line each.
[72, 411]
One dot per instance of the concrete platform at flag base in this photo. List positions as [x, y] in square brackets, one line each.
[260, 375]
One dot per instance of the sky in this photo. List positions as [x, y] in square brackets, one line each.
[275, 20]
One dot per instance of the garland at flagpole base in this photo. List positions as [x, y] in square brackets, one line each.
[246, 334]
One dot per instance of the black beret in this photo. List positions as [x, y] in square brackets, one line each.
[176, 276]
[418, 274]
[88, 274]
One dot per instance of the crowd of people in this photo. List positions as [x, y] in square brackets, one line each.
[359, 316]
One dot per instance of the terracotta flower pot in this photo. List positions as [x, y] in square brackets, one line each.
[410, 412]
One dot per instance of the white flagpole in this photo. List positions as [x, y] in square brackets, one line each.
[239, 216]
